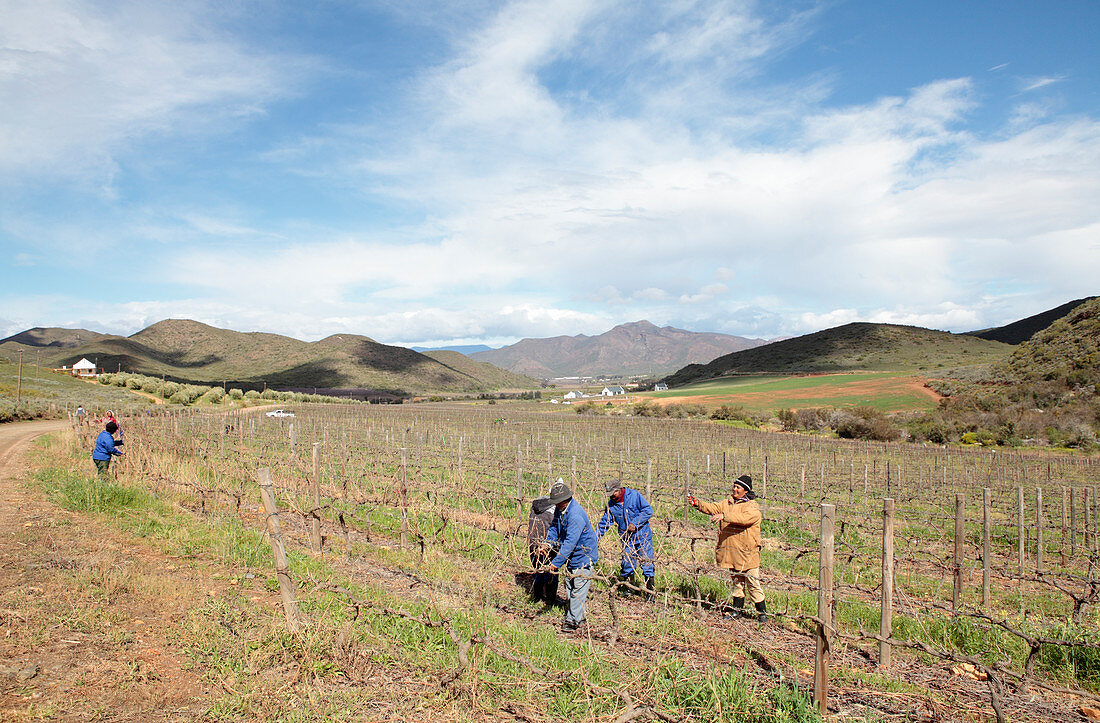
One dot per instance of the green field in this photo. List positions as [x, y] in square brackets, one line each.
[886, 391]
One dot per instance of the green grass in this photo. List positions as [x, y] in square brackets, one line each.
[234, 644]
[768, 392]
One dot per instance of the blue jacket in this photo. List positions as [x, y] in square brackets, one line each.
[572, 531]
[633, 509]
[104, 446]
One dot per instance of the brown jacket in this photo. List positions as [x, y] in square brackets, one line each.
[738, 533]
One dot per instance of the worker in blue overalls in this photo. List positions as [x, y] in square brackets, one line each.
[630, 512]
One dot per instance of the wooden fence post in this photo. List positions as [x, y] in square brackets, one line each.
[824, 609]
[987, 523]
[314, 518]
[1039, 529]
[1020, 527]
[1065, 522]
[519, 483]
[960, 536]
[278, 550]
[886, 621]
[404, 494]
[1073, 522]
[649, 481]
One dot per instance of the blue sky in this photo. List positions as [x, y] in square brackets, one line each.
[465, 172]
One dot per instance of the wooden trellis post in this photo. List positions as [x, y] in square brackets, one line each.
[1039, 529]
[823, 631]
[1020, 527]
[987, 523]
[278, 550]
[315, 483]
[960, 521]
[886, 619]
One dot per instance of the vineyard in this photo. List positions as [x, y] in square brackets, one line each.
[909, 582]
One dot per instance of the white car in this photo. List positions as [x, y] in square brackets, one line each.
[280, 413]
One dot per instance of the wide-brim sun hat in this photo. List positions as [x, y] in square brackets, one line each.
[560, 493]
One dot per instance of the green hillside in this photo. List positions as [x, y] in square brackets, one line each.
[1045, 390]
[44, 393]
[1020, 331]
[857, 346]
[189, 351]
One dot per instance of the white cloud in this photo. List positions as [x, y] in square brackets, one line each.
[1030, 84]
[84, 82]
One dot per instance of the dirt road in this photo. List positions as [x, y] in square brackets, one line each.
[86, 621]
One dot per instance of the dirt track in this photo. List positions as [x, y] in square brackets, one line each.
[85, 623]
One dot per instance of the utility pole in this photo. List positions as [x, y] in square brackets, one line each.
[19, 383]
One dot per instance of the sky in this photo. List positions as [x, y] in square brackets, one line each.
[463, 172]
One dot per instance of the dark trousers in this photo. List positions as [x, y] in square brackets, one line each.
[545, 585]
[101, 466]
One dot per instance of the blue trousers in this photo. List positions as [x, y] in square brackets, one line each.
[576, 587]
[638, 552]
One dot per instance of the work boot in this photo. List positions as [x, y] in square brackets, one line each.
[762, 612]
[738, 609]
[651, 587]
[625, 591]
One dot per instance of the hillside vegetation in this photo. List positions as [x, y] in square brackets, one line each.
[48, 394]
[1020, 331]
[628, 349]
[189, 351]
[857, 346]
[1046, 390]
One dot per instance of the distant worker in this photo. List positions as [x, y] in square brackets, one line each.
[630, 512]
[545, 586]
[109, 417]
[738, 548]
[572, 534]
[105, 448]
[80, 414]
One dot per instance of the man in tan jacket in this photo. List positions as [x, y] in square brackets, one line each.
[738, 548]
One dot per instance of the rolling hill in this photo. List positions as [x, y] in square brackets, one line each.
[627, 349]
[1020, 331]
[187, 350]
[854, 346]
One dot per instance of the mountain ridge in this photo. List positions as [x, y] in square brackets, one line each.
[635, 348]
[187, 350]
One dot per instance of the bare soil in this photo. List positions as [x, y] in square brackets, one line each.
[85, 625]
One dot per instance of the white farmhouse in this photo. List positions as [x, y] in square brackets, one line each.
[612, 391]
[82, 368]
[660, 387]
[576, 394]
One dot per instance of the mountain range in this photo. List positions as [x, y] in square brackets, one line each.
[186, 350]
[638, 348]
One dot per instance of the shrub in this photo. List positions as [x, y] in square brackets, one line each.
[215, 396]
[236, 394]
[269, 394]
[787, 419]
[866, 423]
[180, 397]
[252, 394]
[167, 389]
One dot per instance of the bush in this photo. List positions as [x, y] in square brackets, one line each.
[252, 395]
[866, 423]
[269, 394]
[236, 394]
[179, 397]
[215, 396]
[167, 389]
